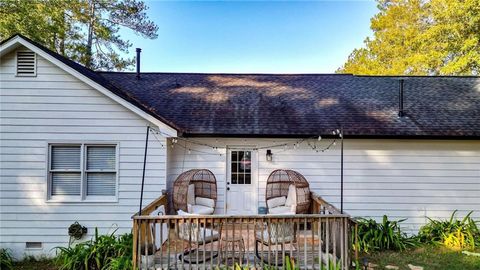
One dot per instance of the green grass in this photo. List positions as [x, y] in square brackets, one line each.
[430, 257]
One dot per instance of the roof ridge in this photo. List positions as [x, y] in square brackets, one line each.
[288, 74]
[233, 74]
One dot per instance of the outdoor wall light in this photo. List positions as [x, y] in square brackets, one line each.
[269, 155]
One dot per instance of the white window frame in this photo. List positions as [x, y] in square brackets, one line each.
[83, 173]
[35, 64]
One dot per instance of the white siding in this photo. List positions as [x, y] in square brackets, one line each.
[411, 179]
[56, 107]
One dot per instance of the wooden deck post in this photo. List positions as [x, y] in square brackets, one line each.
[135, 244]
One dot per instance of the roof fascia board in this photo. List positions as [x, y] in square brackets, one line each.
[166, 129]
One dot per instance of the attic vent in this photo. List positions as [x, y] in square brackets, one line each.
[33, 245]
[26, 63]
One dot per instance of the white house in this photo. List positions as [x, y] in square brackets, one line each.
[73, 142]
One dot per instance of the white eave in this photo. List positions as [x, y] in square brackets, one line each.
[13, 43]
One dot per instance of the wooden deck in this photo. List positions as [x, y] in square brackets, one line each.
[322, 238]
[210, 257]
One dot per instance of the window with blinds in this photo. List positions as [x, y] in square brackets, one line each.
[65, 170]
[100, 171]
[83, 171]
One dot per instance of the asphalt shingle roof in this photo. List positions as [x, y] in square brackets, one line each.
[298, 104]
[308, 104]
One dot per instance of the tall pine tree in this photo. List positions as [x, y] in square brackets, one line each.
[86, 31]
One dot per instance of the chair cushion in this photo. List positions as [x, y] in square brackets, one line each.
[191, 194]
[197, 235]
[292, 196]
[281, 210]
[200, 209]
[183, 213]
[205, 202]
[194, 232]
[278, 233]
[277, 201]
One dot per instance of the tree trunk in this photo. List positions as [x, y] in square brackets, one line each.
[63, 34]
[88, 62]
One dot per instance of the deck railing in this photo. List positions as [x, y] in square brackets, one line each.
[321, 240]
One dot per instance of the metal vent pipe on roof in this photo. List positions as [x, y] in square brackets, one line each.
[401, 113]
[138, 63]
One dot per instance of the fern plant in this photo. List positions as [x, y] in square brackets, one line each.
[387, 235]
[102, 252]
[453, 233]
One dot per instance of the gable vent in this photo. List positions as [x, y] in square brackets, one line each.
[26, 63]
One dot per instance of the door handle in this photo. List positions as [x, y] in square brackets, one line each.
[228, 188]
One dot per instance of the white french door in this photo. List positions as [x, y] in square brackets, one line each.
[241, 188]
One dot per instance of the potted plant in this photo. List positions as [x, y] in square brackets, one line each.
[147, 253]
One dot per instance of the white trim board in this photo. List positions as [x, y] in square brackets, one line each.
[14, 42]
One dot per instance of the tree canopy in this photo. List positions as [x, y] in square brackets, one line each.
[86, 31]
[420, 37]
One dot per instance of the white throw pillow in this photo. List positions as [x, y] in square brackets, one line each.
[278, 201]
[205, 202]
[201, 210]
[281, 210]
[292, 196]
[191, 194]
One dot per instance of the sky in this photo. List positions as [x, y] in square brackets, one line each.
[253, 37]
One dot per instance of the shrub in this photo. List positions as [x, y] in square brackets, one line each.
[103, 252]
[373, 236]
[452, 233]
[6, 259]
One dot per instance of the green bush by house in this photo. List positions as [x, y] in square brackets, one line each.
[452, 233]
[103, 252]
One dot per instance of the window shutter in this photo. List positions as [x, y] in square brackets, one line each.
[65, 158]
[26, 63]
[101, 164]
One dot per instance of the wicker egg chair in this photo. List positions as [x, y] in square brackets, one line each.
[205, 186]
[278, 183]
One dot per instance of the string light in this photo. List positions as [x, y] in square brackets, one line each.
[284, 145]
